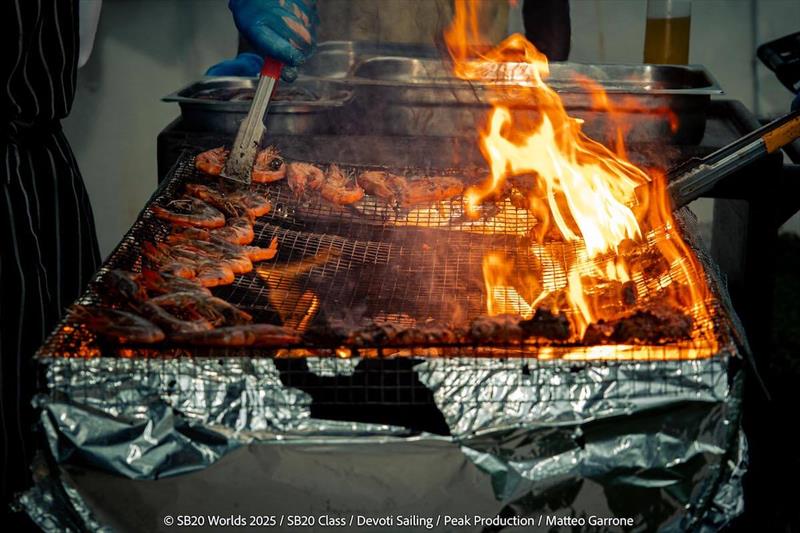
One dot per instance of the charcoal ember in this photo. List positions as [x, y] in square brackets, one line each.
[544, 231]
[651, 264]
[489, 210]
[600, 332]
[328, 333]
[627, 247]
[519, 200]
[547, 325]
[555, 300]
[525, 183]
[499, 193]
[629, 293]
[657, 325]
[121, 287]
[611, 296]
[603, 294]
[495, 329]
[679, 294]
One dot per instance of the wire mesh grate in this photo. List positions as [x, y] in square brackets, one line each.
[365, 263]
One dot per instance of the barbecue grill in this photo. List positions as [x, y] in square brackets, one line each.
[374, 263]
[513, 427]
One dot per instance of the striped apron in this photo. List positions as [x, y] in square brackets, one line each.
[48, 247]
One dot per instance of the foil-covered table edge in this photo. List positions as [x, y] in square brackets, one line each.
[145, 419]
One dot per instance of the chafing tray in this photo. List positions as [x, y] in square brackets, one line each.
[401, 89]
[564, 77]
[421, 96]
[219, 103]
[339, 59]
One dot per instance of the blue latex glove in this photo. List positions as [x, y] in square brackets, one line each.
[245, 64]
[282, 29]
[796, 102]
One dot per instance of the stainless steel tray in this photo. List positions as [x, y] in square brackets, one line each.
[629, 79]
[219, 103]
[232, 92]
[339, 59]
[399, 89]
[419, 96]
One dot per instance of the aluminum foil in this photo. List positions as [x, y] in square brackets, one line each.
[656, 441]
[646, 432]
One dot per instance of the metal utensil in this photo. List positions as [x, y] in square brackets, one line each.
[239, 166]
[690, 180]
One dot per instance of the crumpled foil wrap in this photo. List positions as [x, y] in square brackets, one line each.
[657, 441]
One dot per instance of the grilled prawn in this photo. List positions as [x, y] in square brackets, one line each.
[188, 262]
[228, 206]
[269, 166]
[430, 189]
[232, 204]
[183, 234]
[161, 259]
[120, 326]
[237, 230]
[122, 286]
[264, 335]
[256, 204]
[157, 283]
[256, 253]
[302, 176]
[188, 211]
[175, 321]
[338, 189]
[201, 252]
[212, 161]
[384, 185]
[198, 306]
[212, 275]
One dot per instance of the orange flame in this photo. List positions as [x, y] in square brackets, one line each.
[584, 194]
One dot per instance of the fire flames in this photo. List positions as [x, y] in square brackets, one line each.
[593, 217]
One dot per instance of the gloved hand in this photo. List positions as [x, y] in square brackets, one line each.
[282, 29]
[245, 64]
[796, 102]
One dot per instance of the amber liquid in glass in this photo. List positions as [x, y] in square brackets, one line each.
[666, 41]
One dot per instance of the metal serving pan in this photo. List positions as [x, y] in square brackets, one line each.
[219, 103]
[339, 59]
[628, 79]
[421, 96]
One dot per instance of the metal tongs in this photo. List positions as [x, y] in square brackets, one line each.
[690, 180]
[239, 166]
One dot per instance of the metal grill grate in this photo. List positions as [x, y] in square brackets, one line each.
[364, 263]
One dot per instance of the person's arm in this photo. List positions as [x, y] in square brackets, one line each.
[281, 29]
[548, 27]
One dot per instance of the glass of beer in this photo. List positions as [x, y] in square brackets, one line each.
[666, 38]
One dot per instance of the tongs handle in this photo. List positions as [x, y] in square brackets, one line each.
[239, 166]
[784, 134]
[272, 68]
[700, 178]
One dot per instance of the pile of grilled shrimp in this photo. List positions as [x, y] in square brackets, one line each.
[333, 185]
[210, 242]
